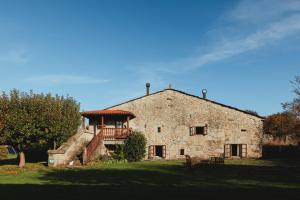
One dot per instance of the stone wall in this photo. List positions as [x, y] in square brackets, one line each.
[175, 112]
[69, 150]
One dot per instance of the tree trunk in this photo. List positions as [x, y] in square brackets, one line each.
[21, 159]
[54, 145]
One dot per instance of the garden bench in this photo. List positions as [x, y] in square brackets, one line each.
[192, 162]
[217, 160]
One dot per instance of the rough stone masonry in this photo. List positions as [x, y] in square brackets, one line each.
[185, 124]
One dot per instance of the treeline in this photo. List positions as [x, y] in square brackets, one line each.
[36, 121]
[286, 123]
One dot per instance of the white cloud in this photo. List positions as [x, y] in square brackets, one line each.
[259, 11]
[278, 20]
[65, 79]
[274, 32]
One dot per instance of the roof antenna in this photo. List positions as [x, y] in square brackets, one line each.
[204, 92]
[170, 86]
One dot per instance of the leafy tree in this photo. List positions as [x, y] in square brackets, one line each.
[282, 124]
[31, 120]
[294, 105]
[135, 147]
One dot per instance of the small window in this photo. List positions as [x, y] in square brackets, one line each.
[181, 152]
[159, 129]
[200, 130]
[119, 124]
[243, 130]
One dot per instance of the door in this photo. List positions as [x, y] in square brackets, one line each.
[234, 150]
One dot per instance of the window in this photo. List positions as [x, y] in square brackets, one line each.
[159, 129]
[181, 152]
[119, 124]
[198, 130]
[243, 130]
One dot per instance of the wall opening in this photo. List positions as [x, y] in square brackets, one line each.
[234, 150]
[198, 130]
[159, 151]
[181, 152]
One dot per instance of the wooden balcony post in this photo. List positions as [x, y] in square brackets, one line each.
[127, 123]
[102, 123]
[83, 122]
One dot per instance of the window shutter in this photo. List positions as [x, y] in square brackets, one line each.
[192, 131]
[151, 152]
[227, 150]
[243, 150]
[164, 151]
[205, 129]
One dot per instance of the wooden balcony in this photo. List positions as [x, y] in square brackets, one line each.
[115, 133]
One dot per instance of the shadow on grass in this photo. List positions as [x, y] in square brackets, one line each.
[162, 180]
[101, 192]
[9, 161]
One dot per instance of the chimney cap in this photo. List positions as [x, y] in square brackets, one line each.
[148, 84]
[204, 91]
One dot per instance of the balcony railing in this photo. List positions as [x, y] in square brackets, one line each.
[116, 133]
[105, 134]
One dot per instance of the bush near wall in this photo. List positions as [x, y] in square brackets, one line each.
[280, 151]
[3, 152]
[135, 147]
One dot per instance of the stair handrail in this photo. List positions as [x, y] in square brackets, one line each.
[92, 146]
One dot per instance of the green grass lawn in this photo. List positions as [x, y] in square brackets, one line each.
[153, 178]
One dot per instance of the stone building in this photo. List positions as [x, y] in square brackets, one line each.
[176, 124]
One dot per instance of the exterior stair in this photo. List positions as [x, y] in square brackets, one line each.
[94, 149]
[70, 151]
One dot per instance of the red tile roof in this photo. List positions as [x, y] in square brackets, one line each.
[108, 112]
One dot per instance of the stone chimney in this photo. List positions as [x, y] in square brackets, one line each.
[204, 92]
[147, 89]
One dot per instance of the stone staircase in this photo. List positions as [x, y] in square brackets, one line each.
[70, 152]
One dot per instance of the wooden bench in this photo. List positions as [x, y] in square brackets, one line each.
[217, 160]
[193, 162]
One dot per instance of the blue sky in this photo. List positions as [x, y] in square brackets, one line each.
[245, 53]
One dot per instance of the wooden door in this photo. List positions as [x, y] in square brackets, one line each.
[243, 150]
[164, 151]
[151, 150]
[227, 150]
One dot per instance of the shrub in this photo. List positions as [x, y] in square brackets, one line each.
[119, 152]
[135, 147]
